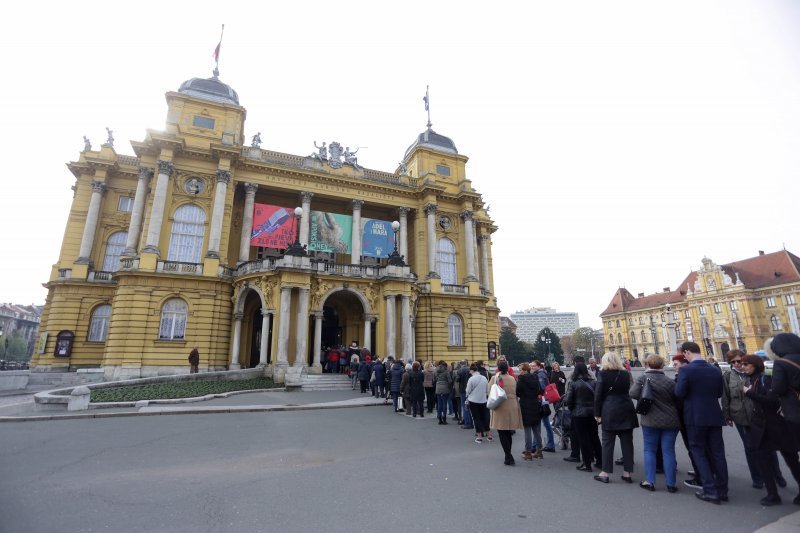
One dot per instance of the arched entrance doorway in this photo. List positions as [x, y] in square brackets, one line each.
[252, 328]
[343, 321]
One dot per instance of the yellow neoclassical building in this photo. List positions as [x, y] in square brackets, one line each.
[192, 242]
[720, 307]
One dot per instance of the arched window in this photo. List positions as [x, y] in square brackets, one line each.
[98, 326]
[186, 239]
[619, 338]
[633, 337]
[446, 261]
[644, 337]
[776, 323]
[173, 319]
[455, 331]
[611, 339]
[114, 248]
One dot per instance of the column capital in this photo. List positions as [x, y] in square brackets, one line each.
[319, 315]
[223, 176]
[483, 237]
[145, 173]
[403, 211]
[371, 317]
[238, 316]
[165, 167]
[430, 209]
[250, 188]
[266, 311]
[466, 215]
[286, 288]
[98, 186]
[306, 196]
[357, 204]
[387, 296]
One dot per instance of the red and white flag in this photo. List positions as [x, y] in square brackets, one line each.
[216, 50]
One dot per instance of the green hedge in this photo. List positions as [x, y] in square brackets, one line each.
[187, 389]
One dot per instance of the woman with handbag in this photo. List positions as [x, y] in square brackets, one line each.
[660, 422]
[580, 401]
[506, 416]
[613, 410]
[476, 391]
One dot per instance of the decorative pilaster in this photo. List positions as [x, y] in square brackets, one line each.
[283, 326]
[390, 326]
[405, 326]
[305, 198]
[137, 214]
[90, 226]
[430, 211]
[165, 170]
[301, 334]
[220, 192]
[402, 213]
[484, 242]
[355, 254]
[247, 221]
[469, 245]
[237, 335]
[317, 339]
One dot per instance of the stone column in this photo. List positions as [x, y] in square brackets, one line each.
[247, 221]
[137, 214]
[237, 335]
[430, 210]
[317, 340]
[90, 226]
[215, 234]
[165, 169]
[265, 315]
[368, 331]
[301, 333]
[484, 240]
[405, 326]
[403, 244]
[283, 326]
[412, 344]
[305, 198]
[469, 246]
[390, 325]
[355, 254]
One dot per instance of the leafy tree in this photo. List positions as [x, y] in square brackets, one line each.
[568, 346]
[541, 350]
[583, 341]
[513, 348]
[14, 348]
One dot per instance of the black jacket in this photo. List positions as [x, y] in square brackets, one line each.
[768, 429]
[786, 385]
[580, 398]
[416, 389]
[528, 391]
[612, 403]
[560, 379]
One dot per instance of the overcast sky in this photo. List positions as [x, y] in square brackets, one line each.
[617, 142]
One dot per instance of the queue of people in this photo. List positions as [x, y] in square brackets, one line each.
[697, 403]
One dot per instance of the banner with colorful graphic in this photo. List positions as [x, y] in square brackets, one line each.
[330, 232]
[377, 238]
[273, 226]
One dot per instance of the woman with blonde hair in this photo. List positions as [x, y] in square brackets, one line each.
[429, 373]
[614, 411]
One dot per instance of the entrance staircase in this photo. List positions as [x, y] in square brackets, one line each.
[314, 382]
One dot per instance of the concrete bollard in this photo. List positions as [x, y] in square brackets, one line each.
[79, 399]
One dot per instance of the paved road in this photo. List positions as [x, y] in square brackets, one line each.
[348, 470]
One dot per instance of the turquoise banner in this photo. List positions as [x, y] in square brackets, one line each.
[330, 232]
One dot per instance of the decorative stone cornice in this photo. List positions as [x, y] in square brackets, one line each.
[145, 173]
[430, 209]
[306, 196]
[250, 188]
[223, 176]
[165, 167]
[357, 204]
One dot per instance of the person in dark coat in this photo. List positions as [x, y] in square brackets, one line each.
[416, 390]
[768, 430]
[614, 411]
[397, 377]
[700, 385]
[679, 361]
[463, 377]
[379, 390]
[559, 378]
[443, 384]
[785, 347]
[405, 391]
[580, 401]
[364, 372]
[528, 391]
[194, 360]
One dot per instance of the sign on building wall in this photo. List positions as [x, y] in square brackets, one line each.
[273, 226]
[330, 232]
[377, 238]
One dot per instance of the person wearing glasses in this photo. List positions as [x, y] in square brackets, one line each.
[769, 430]
[737, 409]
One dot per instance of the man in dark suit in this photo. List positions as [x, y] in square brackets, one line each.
[700, 387]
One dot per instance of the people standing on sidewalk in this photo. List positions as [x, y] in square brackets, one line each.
[194, 360]
[559, 378]
[364, 373]
[416, 390]
[700, 385]
[463, 377]
[769, 432]
[354, 364]
[477, 392]
[405, 390]
[678, 361]
[614, 412]
[443, 383]
[455, 395]
[528, 391]
[580, 401]
[660, 425]
[785, 349]
[430, 393]
[397, 372]
[506, 417]
[538, 370]
[379, 385]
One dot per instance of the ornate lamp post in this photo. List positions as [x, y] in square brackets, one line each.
[296, 248]
[395, 259]
[547, 341]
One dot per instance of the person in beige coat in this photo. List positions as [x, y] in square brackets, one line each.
[507, 417]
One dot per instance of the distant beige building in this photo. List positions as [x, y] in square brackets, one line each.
[720, 307]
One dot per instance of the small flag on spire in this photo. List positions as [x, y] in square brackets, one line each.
[216, 50]
[424, 98]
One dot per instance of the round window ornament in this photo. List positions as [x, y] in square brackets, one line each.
[445, 222]
[194, 186]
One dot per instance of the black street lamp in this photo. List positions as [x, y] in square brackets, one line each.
[296, 248]
[547, 341]
[395, 259]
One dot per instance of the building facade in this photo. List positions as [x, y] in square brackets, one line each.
[531, 321]
[189, 242]
[720, 307]
[22, 320]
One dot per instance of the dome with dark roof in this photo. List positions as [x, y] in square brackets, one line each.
[434, 141]
[210, 89]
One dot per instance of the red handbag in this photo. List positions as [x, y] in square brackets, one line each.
[551, 393]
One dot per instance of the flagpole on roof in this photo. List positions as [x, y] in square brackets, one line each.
[427, 101]
[216, 52]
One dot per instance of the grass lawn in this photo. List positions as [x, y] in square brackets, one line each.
[188, 389]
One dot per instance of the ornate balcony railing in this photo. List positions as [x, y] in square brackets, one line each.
[99, 275]
[179, 267]
[455, 289]
[128, 263]
[128, 160]
[259, 265]
[486, 292]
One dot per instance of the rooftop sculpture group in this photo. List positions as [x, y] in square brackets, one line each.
[334, 158]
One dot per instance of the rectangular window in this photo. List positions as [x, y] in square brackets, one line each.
[702, 309]
[770, 301]
[443, 170]
[717, 308]
[790, 299]
[203, 122]
[732, 306]
[125, 204]
[686, 314]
